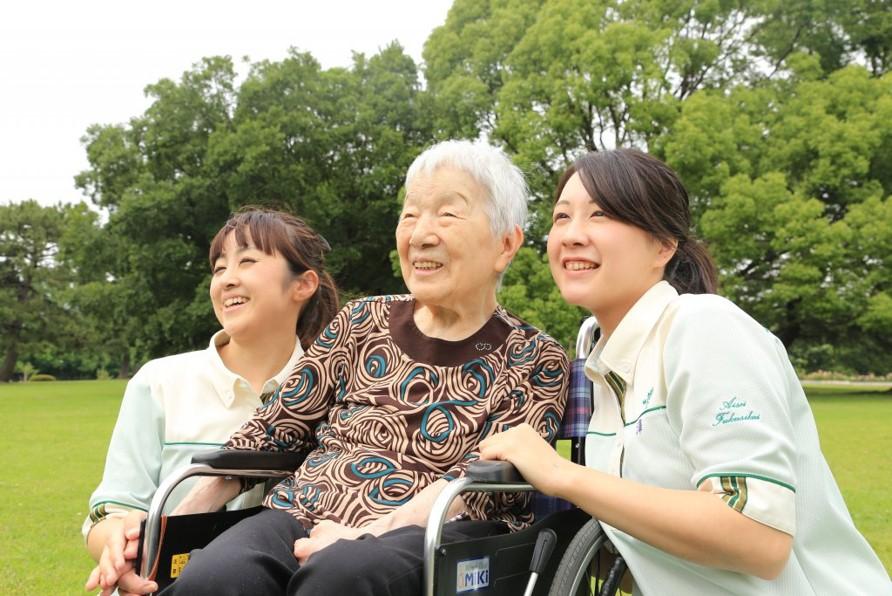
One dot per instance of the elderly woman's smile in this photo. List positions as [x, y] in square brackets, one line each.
[427, 265]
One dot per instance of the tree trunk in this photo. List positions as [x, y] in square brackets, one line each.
[124, 371]
[9, 360]
[791, 329]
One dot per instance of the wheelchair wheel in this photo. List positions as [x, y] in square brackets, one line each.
[575, 574]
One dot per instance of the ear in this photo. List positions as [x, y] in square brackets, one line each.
[304, 286]
[510, 244]
[667, 250]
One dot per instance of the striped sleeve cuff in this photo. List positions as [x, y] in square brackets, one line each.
[764, 500]
[103, 510]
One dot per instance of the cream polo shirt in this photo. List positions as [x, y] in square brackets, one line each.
[173, 408]
[708, 396]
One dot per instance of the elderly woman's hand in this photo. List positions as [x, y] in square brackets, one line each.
[324, 534]
[536, 460]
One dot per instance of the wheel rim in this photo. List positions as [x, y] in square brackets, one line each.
[583, 573]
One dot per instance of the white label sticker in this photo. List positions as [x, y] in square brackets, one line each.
[472, 574]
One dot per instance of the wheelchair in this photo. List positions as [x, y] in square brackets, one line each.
[559, 554]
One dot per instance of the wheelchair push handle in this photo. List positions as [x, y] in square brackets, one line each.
[545, 543]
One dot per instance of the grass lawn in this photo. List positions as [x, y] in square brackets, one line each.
[855, 427]
[53, 448]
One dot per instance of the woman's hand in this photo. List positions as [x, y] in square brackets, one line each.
[324, 534]
[115, 568]
[535, 459]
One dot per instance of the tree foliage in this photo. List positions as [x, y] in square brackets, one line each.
[37, 272]
[793, 184]
[776, 115]
[329, 145]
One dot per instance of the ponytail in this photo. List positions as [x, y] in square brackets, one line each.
[319, 310]
[691, 270]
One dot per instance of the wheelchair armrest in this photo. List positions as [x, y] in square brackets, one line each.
[481, 476]
[239, 459]
[221, 462]
[493, 472]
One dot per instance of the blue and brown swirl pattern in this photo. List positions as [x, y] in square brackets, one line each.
[382, 424]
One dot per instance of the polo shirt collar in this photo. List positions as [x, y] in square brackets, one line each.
[620, 351]
[226, 382]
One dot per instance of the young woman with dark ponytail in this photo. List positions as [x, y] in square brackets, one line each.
[272, 296]
[702, 457]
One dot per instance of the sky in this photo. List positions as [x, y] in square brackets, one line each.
[67, 65]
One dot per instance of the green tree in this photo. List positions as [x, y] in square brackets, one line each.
[836, 33]
[329, 145]
[332, 146]
[165, 202]
[555, 78]
[35, 277]
[790, 179]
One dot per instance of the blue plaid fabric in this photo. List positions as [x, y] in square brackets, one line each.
[577, 415]
[578, 411]
[544, 505]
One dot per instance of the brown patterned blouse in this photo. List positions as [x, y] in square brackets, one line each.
[388, 411]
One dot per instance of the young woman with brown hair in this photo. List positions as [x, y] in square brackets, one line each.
[272, 296]
[702, 458]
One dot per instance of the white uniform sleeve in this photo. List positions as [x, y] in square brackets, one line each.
[727, 398]
[133, 462]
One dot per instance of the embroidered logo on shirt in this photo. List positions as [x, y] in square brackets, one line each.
[483, 346]
[646, 401]
[734, 410]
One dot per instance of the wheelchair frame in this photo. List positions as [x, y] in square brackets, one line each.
[229, 463]
[482, 476]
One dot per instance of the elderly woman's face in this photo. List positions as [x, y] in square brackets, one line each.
[448, 253]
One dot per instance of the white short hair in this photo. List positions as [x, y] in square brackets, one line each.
[506, 203]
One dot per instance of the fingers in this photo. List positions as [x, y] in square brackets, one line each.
[134, 584]
[128, 583]
[112, 561]
[131, 549]
[303, 548]
[132, 537]
[493, 447]
[108, 573]
[92, 580]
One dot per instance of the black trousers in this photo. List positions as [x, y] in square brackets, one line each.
[256, 556]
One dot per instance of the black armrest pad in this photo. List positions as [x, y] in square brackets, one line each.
[239, 459]
[493, 471]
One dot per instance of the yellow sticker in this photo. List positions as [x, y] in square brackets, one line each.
[177, 564]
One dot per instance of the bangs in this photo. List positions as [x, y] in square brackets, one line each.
[258, 228]
[634, 188]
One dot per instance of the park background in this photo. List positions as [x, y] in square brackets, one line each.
[777, 115]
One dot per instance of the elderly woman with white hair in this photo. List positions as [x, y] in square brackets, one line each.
[394, 397]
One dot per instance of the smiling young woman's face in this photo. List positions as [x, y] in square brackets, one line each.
[599, 263]
[252, 292]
